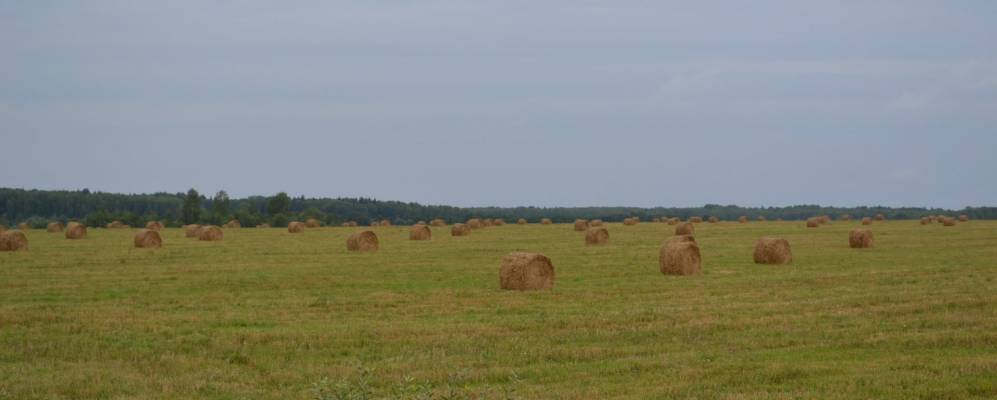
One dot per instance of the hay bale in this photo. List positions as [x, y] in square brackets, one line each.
[713, 220]
[761, 218]
[686, 228]
[498, 222]
[263, 226]
[860, 238]
[581, 225]
[526, 271]
[438, 222]
[474, 223]
[948, 221]
[866, 221]
[13, 240]
[696, 220]
[742, 219]
[546, 221]
[295, 227]
[192, 230]
[680, 255]
[595, 222]
[23, 226]
[845, 217]
[823, 219]
[148, 239]
[673, 221]
[460, 230]
[55, 227]
[880, 217]
[233, 224]
[812, 223]
[153, 225]
[350, 224]
[486, 222]
[210, 233]
[963, 218]
[772, 250]
[117, 225]
[630, 221]
[596, 236]
[925, 221]
[76, 230]
[362, 241]
[420, 232]
[312, 223]
[385, 222]
[521, 221]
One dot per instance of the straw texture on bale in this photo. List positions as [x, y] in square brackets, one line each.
[526, 271]
[679, 255]
[233, 224]
[866, 221]
[362, 241]
[460, 230]
[420, 232]
[192, 230]
[546, 221]
[210, 233]
[438, 222]
[148, 239]
[498, 222]
[595, 222]
[685, 228]
[474, 223]
[55, 227]
[742, 219]
[696, 220]
[812, 223]
[76, 230]
[312, 223]
[947, 221]
[860, 238]
[521, 221]
[963, 218]
[596, 236]
[296, 227]
[13, 240]
[713, 220]
[925, 221]
[154, 225]
[772, 250]
[581, 225]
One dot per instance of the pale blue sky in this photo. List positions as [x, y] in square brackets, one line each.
[508, 102]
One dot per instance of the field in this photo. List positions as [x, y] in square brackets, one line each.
[266, 314]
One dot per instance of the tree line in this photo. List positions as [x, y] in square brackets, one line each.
[38, 207]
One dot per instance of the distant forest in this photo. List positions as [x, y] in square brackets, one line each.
[38, 207]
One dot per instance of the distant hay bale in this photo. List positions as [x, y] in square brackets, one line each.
[742, 219]
[948, 221]
[673, 221]
[772, 250]
[154, 225]
[76, 230]
[312, 223]
[295, 227]
[595, 222]
[263, 226]
[860, 238]
[117, 225]
[438, 222]
[679, 255]
[350, 224]
[880, 217]
[474, 223]
[498, 222]
[148, 239]
[420, 232]
[596, 236]
[486, 222]
[866, 221]
[375, 223]
[812, 223]
[460, 230]
[630, 221]
[362, 241]
[210, 233]
[526, 271]
[23, 226]
[192, 230]
[823, 219]
[233, 224]
[761, 218]
[696, 220]
[685, 228]
[55, 227]
[546, 221]
[521, 221]
[385, 222]
[581, 225]
[713, 220]
[925, 221]
[14, 240]
[963, 218]
[845, 217]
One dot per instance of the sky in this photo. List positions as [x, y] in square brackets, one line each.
[506, 103]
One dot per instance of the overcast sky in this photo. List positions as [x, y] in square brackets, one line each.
[506, 102]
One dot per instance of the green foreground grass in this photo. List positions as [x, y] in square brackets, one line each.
[266, 314]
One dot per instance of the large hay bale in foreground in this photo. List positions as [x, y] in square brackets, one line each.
[438, 222]
[210, 233]
[474, 223]
[595, 222]
[713, 220]
[696, 220]
[581, 225]
[546, 221]
[362, 241]
[192, 230]
[963, 218]
[947, 221]
[13, 241]
[76, 230]
[860, 238]
[630, 221]
[460, 230]
[526, 271]
[596, 236]
[772, 250]
[420, 232]
[154, 225]
[866, 221]
[23, 226]
[55, 227]
[742, 219]
[680, 255]
[295, 227]
[148, 239]
[812, 223]
[521, 221]
[498, 222]
[685, 228]
[312, 223]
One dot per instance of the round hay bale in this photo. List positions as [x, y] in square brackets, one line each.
[880, 217]
[486, 222]
[696, 220]
[210, 233]
[596, 236]
[948, 221]
[581, 225]
[295, 227]
[866, 221]
[117, 225]
[546, 221]
[420, 232]
[812, 223]
[845, 217]
[521, 221]
[742, 219]
[233, 224]
[595, 222]
[526, 271]
[630, 221]
[963, 218]
[713, 220]
[498, 222]
[263, 226]
[761, 218]
[860, 238]
[153, 225]
[362, 241]
[312, 223]
[55, 227]
[474, 223]
[76, 230]
[823, 219]
[148, 239]
[673, 221]
[192, 230]
[23, 226]
[460, 230]
[925, 221]
[438, 222]
[679, 255]
[13, 241]
[685, 228]
[772, 250]
[385, 222]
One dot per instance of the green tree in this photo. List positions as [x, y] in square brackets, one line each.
[220, 207]
[191, 207]
[278, 204]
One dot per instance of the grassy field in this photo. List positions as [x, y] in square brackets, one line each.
[266, 314]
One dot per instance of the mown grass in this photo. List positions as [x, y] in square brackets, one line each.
[266, 314]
